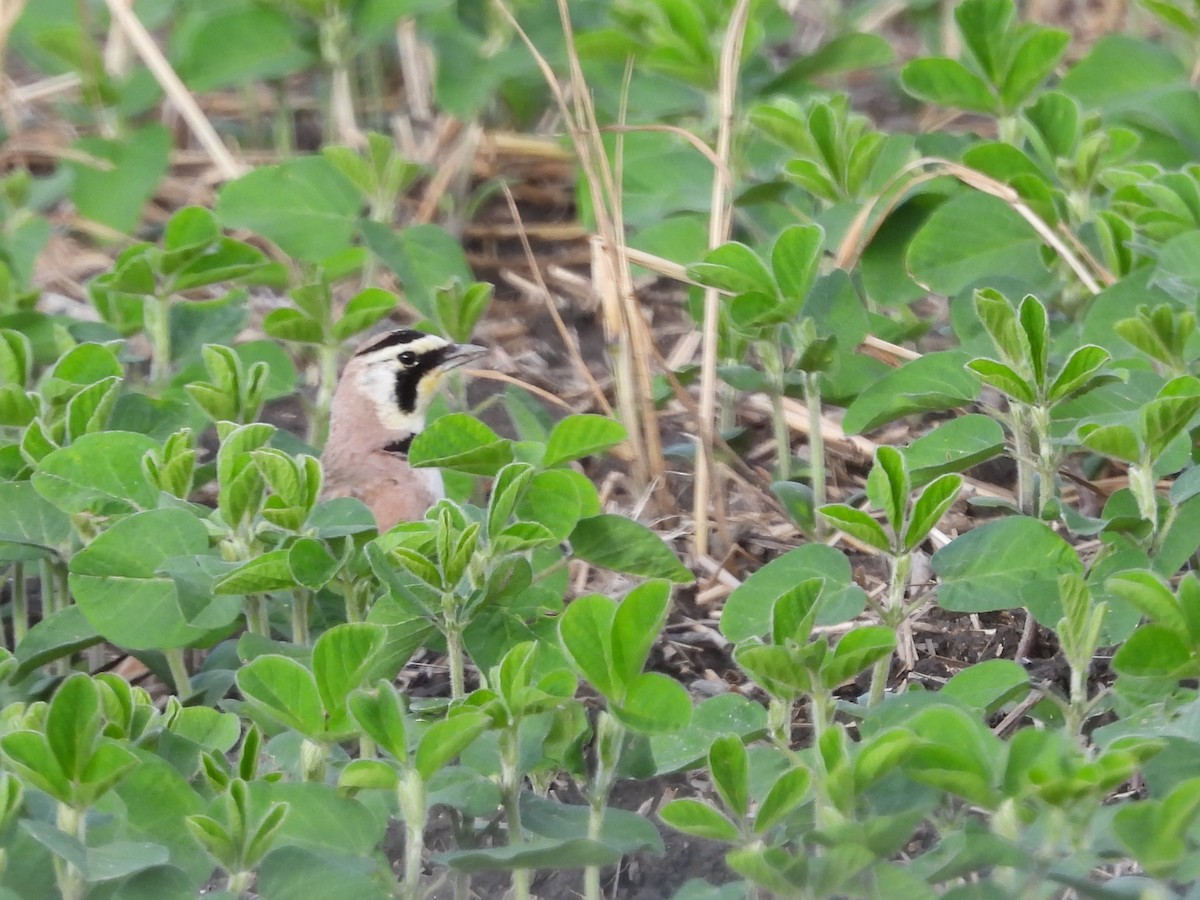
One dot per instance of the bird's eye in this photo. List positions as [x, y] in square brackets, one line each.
[407, 358]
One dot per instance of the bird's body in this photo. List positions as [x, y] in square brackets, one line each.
[378, 408]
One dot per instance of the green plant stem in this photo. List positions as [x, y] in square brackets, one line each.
[1076, 711]
[510, 780]
[49, 589]
[20, 604]
[610, 737]
[816, 444]
[779, 721]
[414, 813]
[895, 614]
[179, 671]
[301, 611]
[1007, 129]
[239, 883]
[70, 880]
[1047, 457]
[821, 718]
[783, 437]
[158, 330]
[257, 620]
[327, 366]
[313, 759]
[1024, 458]
[354, 594]
[454, 648]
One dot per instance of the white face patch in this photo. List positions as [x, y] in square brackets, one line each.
[377, 380]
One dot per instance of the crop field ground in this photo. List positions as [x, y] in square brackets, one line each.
[822, 522]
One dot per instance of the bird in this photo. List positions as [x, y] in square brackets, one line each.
[378, 407]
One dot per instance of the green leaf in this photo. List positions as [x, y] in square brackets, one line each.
[788, 792]
[1004, 379]
[58, 635]
[954, 446]
[796, 259]
[1118, 441]
[343, 660]
[380, 714]
[311, 563]
[1151, 596]
[538, 853]
[888, 485]
[308, 208]
[73, 725]
[585, 630]
[729, 766]
[289, 324]
[267, 572]
[304, 871]
[114, 196]
[857, 651]
[29, 756]
[1032, 62]
[258, 44]
[1005, 564]
[988, 684]
[363, 311]
[623, 545]
[285, 690]
[463, 443]
[934, 381]
[581, 435]
[636, 626]
[735, 268]
[968, 239]
[1155, 651]
[626, 831]
[699, 820]
[1081, 366]
[119, 583]
[121, 859]
[99, 473]
[444, 740]
[425, 258]
[368, 774]
[856, 523]
[929, 508]
[986, 26]
[749, 608]
[948, 82]
[654, 703]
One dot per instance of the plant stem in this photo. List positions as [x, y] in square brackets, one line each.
[510, 780]
[414, 813]
[239, 883]
[20, 604]
[257, 620]
[894, 616]
[1024, 458]
[327, 367]
[1047, 457]
[179, 672]
[816, 444]
[301, 609]
[70, 880]
[783, 437]
[158, 330]
[610, 737]
[454, 647]
[356, 607]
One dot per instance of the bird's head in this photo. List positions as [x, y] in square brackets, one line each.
[398, 373]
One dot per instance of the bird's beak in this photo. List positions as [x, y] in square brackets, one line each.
[460, 355]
